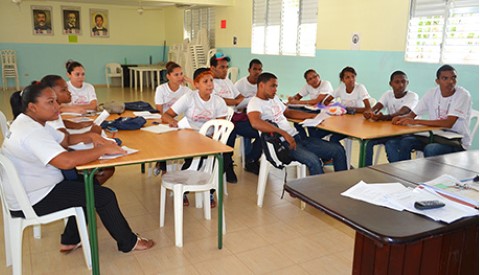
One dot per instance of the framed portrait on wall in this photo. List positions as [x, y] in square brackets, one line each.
[42, 20]
[71, 20]
[99, 25]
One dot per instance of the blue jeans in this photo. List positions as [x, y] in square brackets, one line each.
[244, 129]
[369, 149]
[311, 151]
[400, 149]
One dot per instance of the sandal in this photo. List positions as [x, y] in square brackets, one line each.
[185, 201]
[69, 248]
[213, 203]
[143, 244]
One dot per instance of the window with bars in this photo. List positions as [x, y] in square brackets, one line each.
[194, 20]
[444, 31]
[284, 27]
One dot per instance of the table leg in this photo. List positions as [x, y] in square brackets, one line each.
[363, 147]
[131, 78]
[141, 80]
[152, 76]
[220, 200]
[135, 78]
[92, 221]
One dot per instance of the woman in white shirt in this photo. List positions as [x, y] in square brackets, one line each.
[198, 107]
[83, 94]
[38, 153]
[166, 95]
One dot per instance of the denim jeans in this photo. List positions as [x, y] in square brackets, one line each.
[372, 143]
[244, 129]
[400, 149]
[311, 151]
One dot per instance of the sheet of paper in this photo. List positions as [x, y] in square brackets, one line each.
[79, 119]
[461, 189]
[128, 150]
[159, 129]
[147, 115]
[71, 114]
[101, 117]
[86, 146]
[377, 194]
[183, 124]
[312, 122]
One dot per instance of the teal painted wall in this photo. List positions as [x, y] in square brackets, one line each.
[37, 60]
[373, 70]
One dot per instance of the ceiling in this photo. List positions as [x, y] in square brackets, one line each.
[136, 3]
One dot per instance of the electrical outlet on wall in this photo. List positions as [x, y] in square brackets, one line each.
[234, 40]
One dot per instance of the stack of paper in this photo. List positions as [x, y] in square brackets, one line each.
[463, 191]
[398, 197]
[147, 115]
[158, 129]
[312, 122]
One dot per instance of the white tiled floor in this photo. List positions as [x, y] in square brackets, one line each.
[276, 239]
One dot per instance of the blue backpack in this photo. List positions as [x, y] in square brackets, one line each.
[125, 123]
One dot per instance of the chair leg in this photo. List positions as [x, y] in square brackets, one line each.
[348, 151]
[108, 83]
[178, 214]
[83, 232]
[16, 238]
[163, 195]
[37, 231]
[262, 180]
[206, 206]
[199, 200]
[8, 241]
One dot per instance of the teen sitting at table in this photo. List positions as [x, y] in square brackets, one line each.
[318, 91]
[448, 106]
[83, 94]
[197, 107]
[310, 150]
[354, 96]
[38, 152]
[63, 95]
[224, 88]
[166, 95]
[397, 101]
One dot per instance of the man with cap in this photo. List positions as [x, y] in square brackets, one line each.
[225, 89]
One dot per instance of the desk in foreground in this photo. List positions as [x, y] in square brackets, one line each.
[389, 241]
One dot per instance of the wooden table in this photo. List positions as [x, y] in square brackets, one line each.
[357, 127]
[389, 241]
[145, 69]
[154, 147]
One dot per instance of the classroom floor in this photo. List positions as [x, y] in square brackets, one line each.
[276, 239]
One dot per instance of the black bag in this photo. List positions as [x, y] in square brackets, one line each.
[125, 123]
[140, 106]
[280, 148]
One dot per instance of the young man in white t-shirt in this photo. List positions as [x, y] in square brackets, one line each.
[397, 101]
[309, 151]
[448, 106]
[224, 88]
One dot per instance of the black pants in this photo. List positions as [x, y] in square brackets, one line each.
[68, 194]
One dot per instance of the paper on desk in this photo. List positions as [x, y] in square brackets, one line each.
[128, 150]
[86, 146]
[101, 117]
[71, 114]
[147, 115]
[452, 187]
[79, 119]
[441, 133]
[312, 122]
[377, 194]
[159, 129]
[183, 124]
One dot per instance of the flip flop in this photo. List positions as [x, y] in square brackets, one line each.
[71, 249]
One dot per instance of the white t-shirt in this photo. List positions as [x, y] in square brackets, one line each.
[246, 88]
[31, 147]
[166, 97]
[353, 99]
[57, 124]
[438, 107]
[197, 111]
[324, 88]
[272, 109]
[393, 105]
[83, 95]
[224, 88]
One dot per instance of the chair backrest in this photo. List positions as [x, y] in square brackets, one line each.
[232, 74]
[9, 57]
[473, 123]
[4, 125]
[113, 69]
[10, 182]
[230, 113]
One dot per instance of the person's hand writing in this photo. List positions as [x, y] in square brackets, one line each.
[377, 116]
[173, 123]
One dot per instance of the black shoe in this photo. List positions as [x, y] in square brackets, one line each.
[231, 177]
[252, 167]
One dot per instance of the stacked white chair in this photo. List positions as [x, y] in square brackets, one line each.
[194, 180]
[9, 68]
[14, 226]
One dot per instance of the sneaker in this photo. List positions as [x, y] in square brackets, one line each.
[252, 167]
[231, 177]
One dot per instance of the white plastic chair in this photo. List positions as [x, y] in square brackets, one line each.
[14, 227]
[9, 68]
[232, 74]
[113, 70]
[194, 181]
[265, 166]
